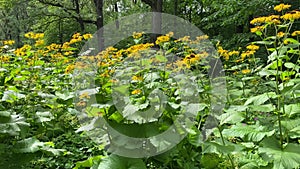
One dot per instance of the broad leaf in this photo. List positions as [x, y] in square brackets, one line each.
[288, 157]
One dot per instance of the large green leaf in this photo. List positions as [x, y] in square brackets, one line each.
[231, 117]
[32, 145]
[215, 147]
[292, 109]
[292, 126]
[11, 124]
[117, 162]
[260, 99]
[288, 157]
[248, 132]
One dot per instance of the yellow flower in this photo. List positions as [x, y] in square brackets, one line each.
[87, 36]
[246, 71]
[287, 41]
[53, 46]
[294, 15]
[184, 39]
[162, 39]
[247, 54]
[258, 20]
[38, 36]
[170, 34]
[4, 58]
[296, 33]
[68, 53]
[234, 52]
[137, 35]
[280, 34]
[223, 53]
[136, 91]
[203, 37]
[22, 51]
[29, 35]
[84, 95]
[69, 69]
[266, 19]
[281, 7]
[8, 42]
[137, 78]
[39, 43]
[76, 35]
[252, 47]
[133, 50]
[192, 59]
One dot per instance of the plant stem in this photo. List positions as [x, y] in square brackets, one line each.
[278, 100]
[223, 141]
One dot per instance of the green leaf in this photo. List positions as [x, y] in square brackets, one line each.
[231, 117]
[88, 162]
[214, 147]
[161, 58]
[248, 132]
[11, 124]
[196, 139]
[292, 127]
[117, 162]
[262, 108]
[44, 116]
[291, 109]
[288, 157]
[64, 96]
[194, 108]
[260, 99]
[29, 145]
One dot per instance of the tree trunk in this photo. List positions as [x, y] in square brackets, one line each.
[156, 7]
[117, 11]
[99, 23]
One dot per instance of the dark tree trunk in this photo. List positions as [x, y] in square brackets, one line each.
[156, 6]
[117, 11]
[99, 22]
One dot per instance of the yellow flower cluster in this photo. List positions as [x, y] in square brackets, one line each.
[39, 43]
[8, 42]
[31, 35]
[136, 91]
[77, 37]
[252, 47]
[226, 54]
[257, 28]
[87, 36]
[134, 50]
[137, 35]
[137, 78]
[188, 61]
[280, 34]
[69, 68]
[246, 71]
[281, 7]
[183, 39]
[203, 37]
[4, 58]
[162, 39]
[266, 19]
[294, 15]
[22, 51]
